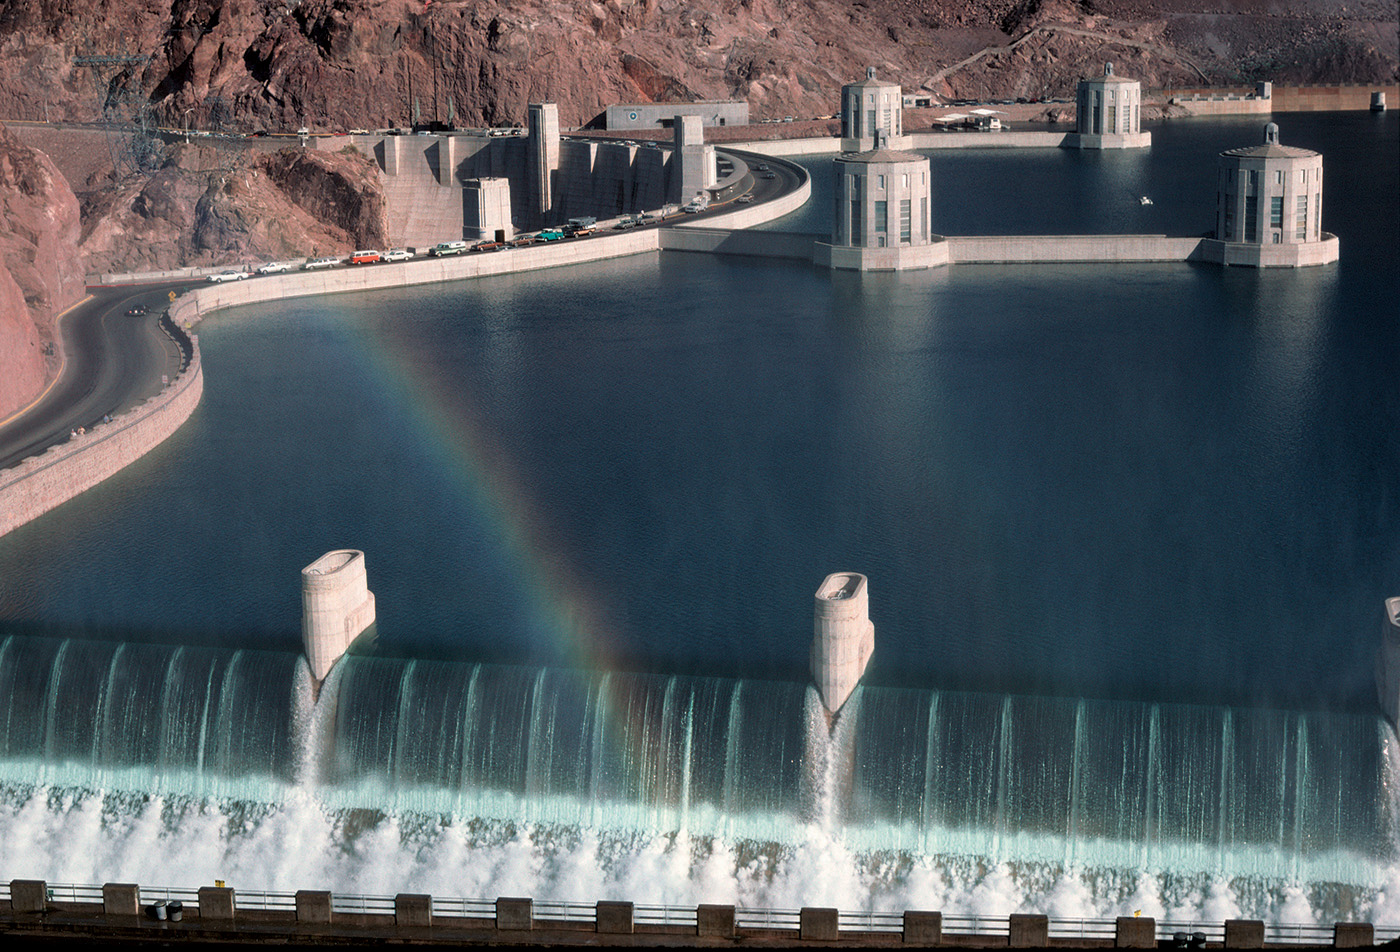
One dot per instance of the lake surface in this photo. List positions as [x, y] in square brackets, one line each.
[1144, 481]
[1110, 514]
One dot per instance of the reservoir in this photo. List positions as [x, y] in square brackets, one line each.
[1127, 521]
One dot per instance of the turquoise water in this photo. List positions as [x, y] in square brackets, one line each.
[1149, 487]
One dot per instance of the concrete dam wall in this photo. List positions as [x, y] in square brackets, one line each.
[424, 180]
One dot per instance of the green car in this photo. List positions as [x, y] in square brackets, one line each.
[550, 234]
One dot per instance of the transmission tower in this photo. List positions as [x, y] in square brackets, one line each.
[124, 112]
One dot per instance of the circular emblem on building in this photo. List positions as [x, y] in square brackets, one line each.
[632, 116]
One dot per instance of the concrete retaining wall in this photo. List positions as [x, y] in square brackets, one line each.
[1070, 248]
[990, 140]
[44, 482]
[758, 244]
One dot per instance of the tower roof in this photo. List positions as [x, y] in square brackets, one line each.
[881, 155]
[1271, 149]
[869, 81]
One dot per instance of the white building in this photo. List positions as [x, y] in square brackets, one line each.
[869, 107]
[1269, 206]
[880, 219]
[1109, 113]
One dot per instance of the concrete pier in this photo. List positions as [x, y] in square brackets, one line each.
[336, 605]
[843, 638]
[1388, 663]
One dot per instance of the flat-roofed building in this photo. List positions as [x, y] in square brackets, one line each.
[661, 115]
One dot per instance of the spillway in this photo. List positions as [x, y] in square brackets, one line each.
[734, 780]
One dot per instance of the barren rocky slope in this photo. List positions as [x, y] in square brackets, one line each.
[349, 63]
[40, 273]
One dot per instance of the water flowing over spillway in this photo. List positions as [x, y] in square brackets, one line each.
[157, 763]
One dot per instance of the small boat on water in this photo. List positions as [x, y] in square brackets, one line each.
[1145, 200]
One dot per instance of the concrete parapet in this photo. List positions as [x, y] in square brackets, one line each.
[121, 899]
[1028, 931]
[889, 258]
[29, 895]
[216, 902]
[41, 483]
[314, 906]
[1244, 934]
[739, 241]
[1135, 932]
[413, 911]
[843, 636]
[516, 915]
[613, 917]
[923, 928]
[1353, 935]
[816, 924]
[713, 920]
[1017, 249]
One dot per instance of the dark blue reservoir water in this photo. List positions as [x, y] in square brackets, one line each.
[1167, 482]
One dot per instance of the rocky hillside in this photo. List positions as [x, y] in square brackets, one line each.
[281, 64]
[40, 273]
[198, 209]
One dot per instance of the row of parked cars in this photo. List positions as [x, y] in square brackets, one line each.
[311, 264]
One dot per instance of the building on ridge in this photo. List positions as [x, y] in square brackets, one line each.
[881, 218]
[1108, 113]
[870, 106]
[1269, 206]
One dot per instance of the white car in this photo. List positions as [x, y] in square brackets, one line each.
[233, 274]
[275, 267]
[315, 263]
[398, 254]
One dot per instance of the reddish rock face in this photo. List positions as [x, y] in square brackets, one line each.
[40, 273]
[340, 64]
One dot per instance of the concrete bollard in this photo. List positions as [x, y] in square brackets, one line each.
[413, 911]
[314, 906]
[1135, 932]
[1353, 935]
[923, 928]
[517, 915]
[29, 895]
[1244, 934]
[1029, 932]
[613, 917]
[216, 902]
[713, 920]
[121, 899]
[816, 924]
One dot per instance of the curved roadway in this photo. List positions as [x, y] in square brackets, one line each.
[114, 360]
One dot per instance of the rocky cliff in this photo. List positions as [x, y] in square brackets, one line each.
[202, 207]
[40, 273]
[281, 64]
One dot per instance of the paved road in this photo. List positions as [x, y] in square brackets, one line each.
[115, 361]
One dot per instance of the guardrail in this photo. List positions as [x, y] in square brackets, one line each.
[34, 896]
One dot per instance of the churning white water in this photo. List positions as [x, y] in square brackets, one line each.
[663, 790]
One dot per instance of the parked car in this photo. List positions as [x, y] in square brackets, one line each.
[315, 263]
[768, 175]
[628, 222]
[274, 267]
[583, 221]
[744, 199]
[523, 241]
[550, 234]
[398, 254]
[366, 257]
[576, 231]
[760, 167]
[444, 248]
[233, 274]
[488, 246]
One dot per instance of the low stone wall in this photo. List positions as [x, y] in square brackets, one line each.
[44, 482]
[991, 140]
[757, 244]
[1071, 248]
[1226, 107]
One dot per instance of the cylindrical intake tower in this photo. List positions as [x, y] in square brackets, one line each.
[336, 605]
[843, 638]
